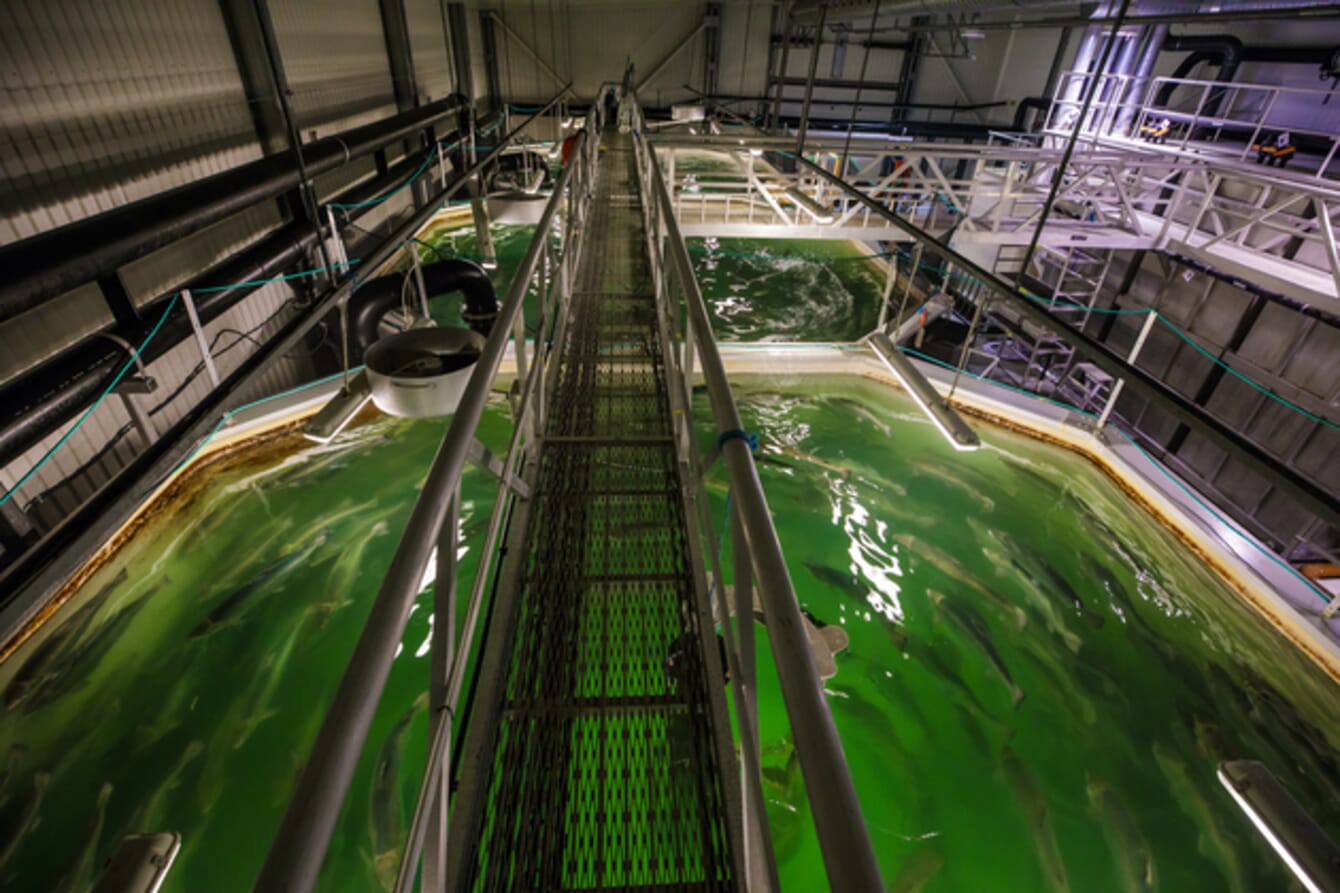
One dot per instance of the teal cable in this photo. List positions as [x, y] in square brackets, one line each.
[46, 457]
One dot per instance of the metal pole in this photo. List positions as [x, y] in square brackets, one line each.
[440, 659]
[809, 81]
[889, 281]
[413, 246]
[200, 339]
[759, 866]
[775, 121]
[1074, 138]
[1150, 317]
[299, 847]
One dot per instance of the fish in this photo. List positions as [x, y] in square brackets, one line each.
[69, 670]
[385, 816]
[802, 457]
[149, 814]
[345, 573]
[1060, 584]
[951, 568]
[1044, 606]
[68, 631]
[233, 607]
[1212, 843]
[848, 582]
[19, 819]
[1130, 849]
[1049, 485]
[268, 679]
[917, 871]
[80, 875]
[1061, 687]
[933, 659]
[1034, 805]
[971, 627]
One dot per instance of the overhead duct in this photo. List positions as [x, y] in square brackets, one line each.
[53, 262]
[842, 9]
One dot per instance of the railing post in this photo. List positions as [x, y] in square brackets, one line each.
[1150, 317]
[441, 656]
[759, 865]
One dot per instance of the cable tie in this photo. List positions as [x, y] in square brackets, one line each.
[737, 434]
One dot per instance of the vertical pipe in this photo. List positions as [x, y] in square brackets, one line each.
[809, 81]
[775, 123]
[1130, 358]
[200, 337]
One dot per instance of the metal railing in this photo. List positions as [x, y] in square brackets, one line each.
[298, 848]
[843, 837]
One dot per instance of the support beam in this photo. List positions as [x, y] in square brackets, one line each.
[526, 48]
[809, 86]
[712, 47]
[666, 59]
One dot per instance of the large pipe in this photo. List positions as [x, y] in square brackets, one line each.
[1222, 49]
[37, 402]
[49, 264]
[374, 299]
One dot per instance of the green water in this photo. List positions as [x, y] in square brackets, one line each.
[1040, 680]
[787, 289]
[182, 686]
[781, 289]
[188, 677]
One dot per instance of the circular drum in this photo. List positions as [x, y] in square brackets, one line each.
[422, 372]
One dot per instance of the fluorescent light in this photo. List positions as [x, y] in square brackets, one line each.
[1303, 846]
[336, 415]
[935, 407]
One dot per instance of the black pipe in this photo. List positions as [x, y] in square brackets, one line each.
[1223, 49]
[1314, 54]
[373, 300]
[37, 402]
[1042, 104]
[51, 263]
[1307, 310]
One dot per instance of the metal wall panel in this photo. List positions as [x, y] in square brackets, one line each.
[335, 61]
[429, 48]
[107, 103]
[31, 337]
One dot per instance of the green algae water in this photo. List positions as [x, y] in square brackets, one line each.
[788, 289]
[180, 689]
[1039, 683]
[780, 289]
[1041, 679]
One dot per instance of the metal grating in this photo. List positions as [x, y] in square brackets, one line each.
[606, 770]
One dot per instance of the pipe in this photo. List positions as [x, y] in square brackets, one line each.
[1225, 50]
[374, 299]
[1313, 54]
[1310, 311]
[1144, 68]
[35, 575]
[1042, 104]
[40, 400]
[53, 262]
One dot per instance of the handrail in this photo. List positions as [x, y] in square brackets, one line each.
[299, 846]
[1308, 494]
[849, 857]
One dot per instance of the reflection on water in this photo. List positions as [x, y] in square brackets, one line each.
[1040, 681]
[787, 289]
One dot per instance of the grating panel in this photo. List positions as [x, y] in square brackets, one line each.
[605, 772]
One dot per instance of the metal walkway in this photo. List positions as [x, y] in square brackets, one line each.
[608, 735]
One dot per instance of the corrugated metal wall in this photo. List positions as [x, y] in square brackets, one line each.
[430, 47]
[106, 103]
[335, 60]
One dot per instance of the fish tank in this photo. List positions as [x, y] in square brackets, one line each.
[1039, 676]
